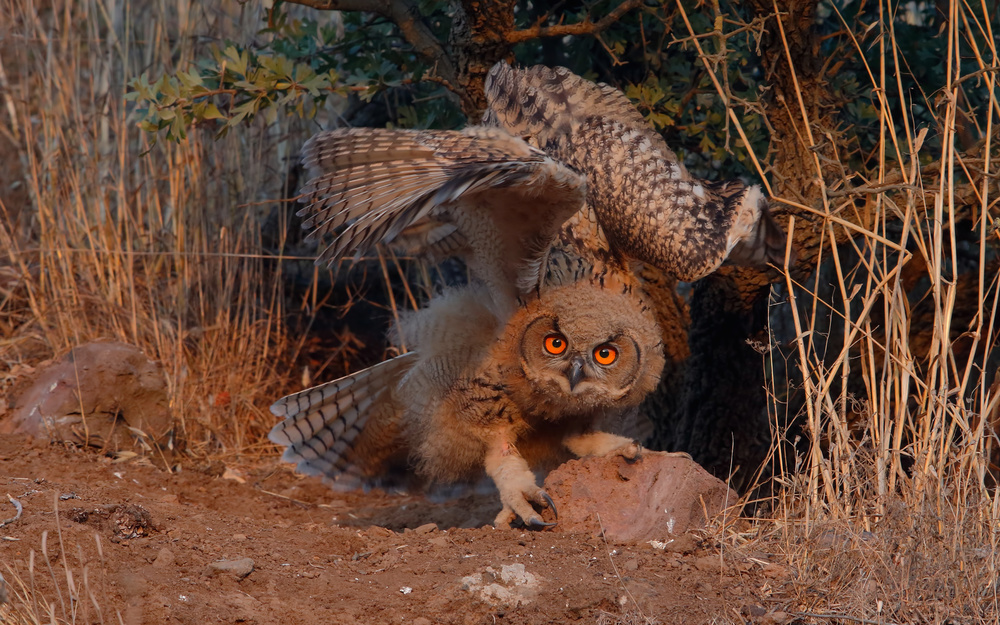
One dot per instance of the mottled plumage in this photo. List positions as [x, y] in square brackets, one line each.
[506, 198]
[649, 206]
[550, 202]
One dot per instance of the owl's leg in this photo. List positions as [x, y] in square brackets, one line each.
[517, 486]
[595, 443]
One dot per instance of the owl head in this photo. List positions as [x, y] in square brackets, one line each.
[589, 346]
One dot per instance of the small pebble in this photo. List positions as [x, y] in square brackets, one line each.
[426, 528]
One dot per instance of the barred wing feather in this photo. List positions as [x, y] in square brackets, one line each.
[505, 199]
[322, 424]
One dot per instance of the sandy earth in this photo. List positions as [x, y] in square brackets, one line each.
[320, 556]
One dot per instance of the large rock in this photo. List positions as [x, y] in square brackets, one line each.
[653, 498]
[102, 394]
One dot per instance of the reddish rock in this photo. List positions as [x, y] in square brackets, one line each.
[103, 394]
[654, 498]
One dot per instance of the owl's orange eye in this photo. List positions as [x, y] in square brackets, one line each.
[555, 344]
[605, 354]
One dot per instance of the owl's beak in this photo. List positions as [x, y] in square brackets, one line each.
[575, 373]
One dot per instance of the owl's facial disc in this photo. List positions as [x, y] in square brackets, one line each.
[579, 360]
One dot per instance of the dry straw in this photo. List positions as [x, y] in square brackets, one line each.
[157, 246]
[889, 510]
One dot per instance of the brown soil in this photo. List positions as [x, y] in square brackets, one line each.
[320, 556]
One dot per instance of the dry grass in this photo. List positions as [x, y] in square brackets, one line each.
[155, 246]
[889, 512]
[59, 584]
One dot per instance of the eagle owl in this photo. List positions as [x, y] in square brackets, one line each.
[552, 201]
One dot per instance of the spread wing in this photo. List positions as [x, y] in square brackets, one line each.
[648, 205]
[502, 199]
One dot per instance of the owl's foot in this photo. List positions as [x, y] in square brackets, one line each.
[596, 443]
[518, 490]
[634, 452]
[666, 454]
[508, 515]
[631, 452]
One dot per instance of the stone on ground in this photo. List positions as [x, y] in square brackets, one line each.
[654, 498]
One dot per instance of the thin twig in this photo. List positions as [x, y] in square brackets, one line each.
[586, 27]
[18, 507]
[845, 617]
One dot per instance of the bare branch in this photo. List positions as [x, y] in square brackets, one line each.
[405, 15]
[369, 6]
[586, 27]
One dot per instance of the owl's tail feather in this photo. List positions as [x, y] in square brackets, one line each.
[344, 427]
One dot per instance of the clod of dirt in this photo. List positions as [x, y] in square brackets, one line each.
[683, 544]
[103, 394]
[511, 586]
[238, 568]
[653, 498]
[164, 559]
[124, 520]
[710, 564]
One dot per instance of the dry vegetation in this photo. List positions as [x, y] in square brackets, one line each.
[890, 513]
[157, 246]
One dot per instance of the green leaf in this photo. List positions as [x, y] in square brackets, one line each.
[237, 60]
[212, 112]
[190, 79]
[178, 129]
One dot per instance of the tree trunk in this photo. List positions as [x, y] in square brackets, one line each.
[721, 416]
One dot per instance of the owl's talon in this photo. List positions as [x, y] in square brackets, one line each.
[551, 504]
[536, 522]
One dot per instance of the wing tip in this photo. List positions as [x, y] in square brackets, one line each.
[278, 436]
[767, 242]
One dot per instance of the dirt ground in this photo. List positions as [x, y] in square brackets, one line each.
[320, 556]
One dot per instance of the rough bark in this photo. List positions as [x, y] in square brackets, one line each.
[478, 39]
